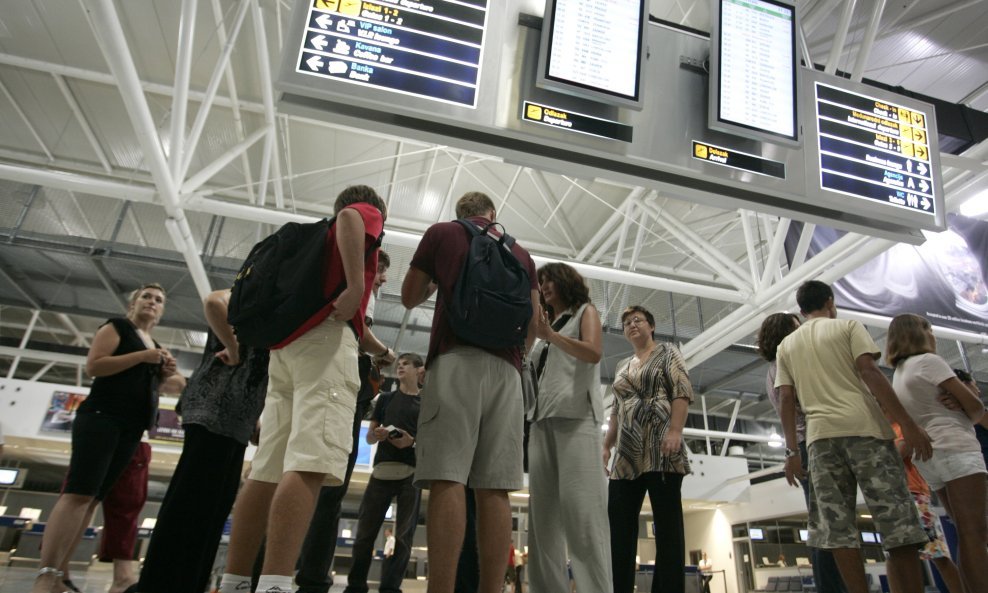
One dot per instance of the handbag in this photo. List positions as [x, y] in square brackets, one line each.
[529, 387]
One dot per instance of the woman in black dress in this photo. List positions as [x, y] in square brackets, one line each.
[127, 366]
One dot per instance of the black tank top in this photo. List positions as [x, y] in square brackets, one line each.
[130, 395]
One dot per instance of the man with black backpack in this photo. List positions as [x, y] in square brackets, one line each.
[312, 390]
[470, 424]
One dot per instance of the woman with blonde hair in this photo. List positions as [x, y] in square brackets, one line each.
[127, 366]
[956, 472]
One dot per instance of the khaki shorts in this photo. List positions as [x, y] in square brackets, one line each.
[307, 421]
[838, 466]
[471, 422]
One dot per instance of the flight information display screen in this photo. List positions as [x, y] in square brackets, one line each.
[430, 48]
[756, 68]
[594, 48]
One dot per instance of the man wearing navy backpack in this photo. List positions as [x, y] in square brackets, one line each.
[312, 391]
[470, 423]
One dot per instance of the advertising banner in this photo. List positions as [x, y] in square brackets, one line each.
[945, 279]
[61, 411]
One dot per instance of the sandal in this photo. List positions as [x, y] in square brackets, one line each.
[71, 586]
[49, 571]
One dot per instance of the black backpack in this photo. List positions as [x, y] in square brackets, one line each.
[280, 284]
[491, 303]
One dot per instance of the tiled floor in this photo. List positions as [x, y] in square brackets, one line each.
[97, 580]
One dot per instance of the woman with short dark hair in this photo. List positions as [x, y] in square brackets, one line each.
[652, 394]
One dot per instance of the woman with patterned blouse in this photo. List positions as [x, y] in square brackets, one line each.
[652, 394]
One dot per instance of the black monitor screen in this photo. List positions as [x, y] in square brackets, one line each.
[754, 68]
[594, 49]
[8, 476]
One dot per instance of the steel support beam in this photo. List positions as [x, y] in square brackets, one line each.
[42, 355]
[109, 33]
[864, 50]
[731, 377]
[771, 271]
[78, 183]
[882, 322]
[24, 340]
[803, 246]
[394, 174]
[180, 100]
[41, 372]
[542, 187]
[706, 426]
[109, 283]
[191, 143]
[730, 427]
[196, 181]
[30, 298]
[751, 246]
[27, 122]
[608, 227]
[80, 117]
[231, 86]
[839, 259]
[507, 192]
[841, 37]
[636, 251]
[703, 250]
[80, 340]
[452, 186]
[267, 97]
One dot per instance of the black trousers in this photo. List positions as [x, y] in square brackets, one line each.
[316, 558]
[196, 506]
[624, 504]
[373, 507]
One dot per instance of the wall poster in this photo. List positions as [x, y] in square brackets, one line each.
[945, 279]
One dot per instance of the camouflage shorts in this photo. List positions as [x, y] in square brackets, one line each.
[838, 466]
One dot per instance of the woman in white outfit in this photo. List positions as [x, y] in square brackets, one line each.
[956, 472]
[568, 486]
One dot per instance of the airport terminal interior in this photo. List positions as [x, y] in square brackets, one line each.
[158, 141]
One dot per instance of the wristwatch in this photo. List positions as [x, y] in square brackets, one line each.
[791, 452]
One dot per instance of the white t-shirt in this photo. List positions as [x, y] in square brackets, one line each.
[916, 381]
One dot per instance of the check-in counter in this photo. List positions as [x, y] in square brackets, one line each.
[646, 572]
[11, 528]
[28, 549]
